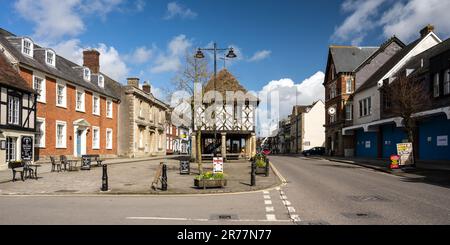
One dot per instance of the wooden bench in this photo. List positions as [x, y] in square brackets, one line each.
[17, 167]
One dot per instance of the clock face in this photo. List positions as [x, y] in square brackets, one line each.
[331, 110]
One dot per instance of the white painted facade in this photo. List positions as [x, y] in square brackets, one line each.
[314, 131]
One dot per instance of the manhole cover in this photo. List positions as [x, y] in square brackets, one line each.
[224, 217]
[66, 191]
[313, 222]
[368, 198]
[361, 215]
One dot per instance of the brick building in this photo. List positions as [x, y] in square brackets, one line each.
[77, 106]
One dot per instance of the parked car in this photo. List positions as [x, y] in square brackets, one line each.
[314, 151]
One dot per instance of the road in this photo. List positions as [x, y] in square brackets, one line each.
[317, 192]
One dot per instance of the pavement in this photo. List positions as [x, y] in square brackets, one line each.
[316, 192]
[134, 178]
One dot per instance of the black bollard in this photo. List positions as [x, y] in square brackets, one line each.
[267, 167]
[164, 178]
[105, 178]
[253, 174]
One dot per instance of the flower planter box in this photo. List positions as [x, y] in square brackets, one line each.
[206, 183]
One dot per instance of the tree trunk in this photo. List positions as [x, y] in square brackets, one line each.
[199, 151]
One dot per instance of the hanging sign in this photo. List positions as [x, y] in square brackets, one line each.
[217, 165]
[405, 151]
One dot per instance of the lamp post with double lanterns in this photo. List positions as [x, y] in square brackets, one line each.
[215, 50]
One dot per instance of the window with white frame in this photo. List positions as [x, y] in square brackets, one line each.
[365, 107]
[27, 47]
[95, 138]
[101, 81]
[86, 74]
[61, 94]
[109, 139]
[39, 138]
[61, 134]
[349, 111]
[96, 105]
[11, 149]
[447, 82]
[39, 87]
[349, 86]
[436, 85]
[13, 110]
[109, 108]
[80, 100]
[50, 57]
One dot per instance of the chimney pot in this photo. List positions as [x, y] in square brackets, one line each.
[146, 87]
[91, 59]
[427, 29]
[133, 81]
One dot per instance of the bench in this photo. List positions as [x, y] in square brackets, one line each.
[90, 158]
[17, 167]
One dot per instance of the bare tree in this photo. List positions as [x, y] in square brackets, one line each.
[408, 95]
[195, 73]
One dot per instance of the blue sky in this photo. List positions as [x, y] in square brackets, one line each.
[282, 44]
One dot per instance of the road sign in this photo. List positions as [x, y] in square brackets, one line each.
[217, 165]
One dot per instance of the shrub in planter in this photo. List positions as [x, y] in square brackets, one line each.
[210, 180]
[261, 162]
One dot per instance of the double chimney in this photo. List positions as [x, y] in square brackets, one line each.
[134, 81]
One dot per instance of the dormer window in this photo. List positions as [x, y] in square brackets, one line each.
[50, 57]
[101, 81]
[27, 47]
[87, 74]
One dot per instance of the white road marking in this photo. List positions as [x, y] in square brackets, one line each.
[295, 217]
[270, 209]
[287, 203]
[267, 197]
[265, 192]
[268, 202]
[283, 197]
[278, 188]
[271, 217]
[282, 193]
[291, 209]
[206, 220]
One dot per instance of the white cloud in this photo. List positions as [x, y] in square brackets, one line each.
[279, 96]
[56, 19]
[260, 55]
[360, 21]
[53, 19]
[170, 60]
[401, 18]
[70, 49]
[176, 10]
[140, 55]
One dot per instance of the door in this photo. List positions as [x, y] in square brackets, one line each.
[79, 133]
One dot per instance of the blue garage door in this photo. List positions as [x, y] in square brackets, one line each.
[366, 144]
[434, 136]
[391, 137]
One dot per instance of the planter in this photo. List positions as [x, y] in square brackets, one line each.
[260, 170]
[206, 183]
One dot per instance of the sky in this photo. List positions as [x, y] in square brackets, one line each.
[282, 45]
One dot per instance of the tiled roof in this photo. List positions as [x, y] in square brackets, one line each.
[348, 58]
[11, 77]
[64, 68]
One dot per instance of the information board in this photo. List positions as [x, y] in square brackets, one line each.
[405, 151]
[217, 165]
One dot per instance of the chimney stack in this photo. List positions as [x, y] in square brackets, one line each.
[427, 29]
[146, 87]
[91, 59]
[133, 81]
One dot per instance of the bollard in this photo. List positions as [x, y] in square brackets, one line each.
[164, 178]
[105, 178]
[267, 167]
[253, 174]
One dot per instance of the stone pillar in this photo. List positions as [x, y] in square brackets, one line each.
[247, 147]
[193, 146]
[224, 145]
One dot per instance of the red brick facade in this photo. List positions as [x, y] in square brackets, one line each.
[53, 113]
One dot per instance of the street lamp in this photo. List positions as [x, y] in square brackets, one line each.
[230, 55]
